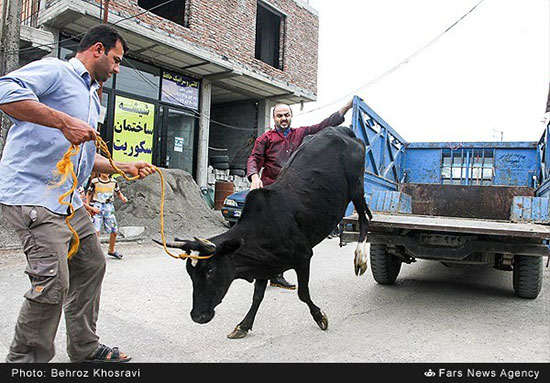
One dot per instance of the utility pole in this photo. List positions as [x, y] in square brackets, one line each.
[9, 54]
[104, 21]
[105, 11]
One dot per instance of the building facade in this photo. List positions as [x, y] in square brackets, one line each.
[201, 76]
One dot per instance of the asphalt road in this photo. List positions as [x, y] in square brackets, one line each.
[433, 314]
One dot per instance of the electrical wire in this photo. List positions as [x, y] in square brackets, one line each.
[394, 68]
[198, 114]
[194, 114]
[56, 43]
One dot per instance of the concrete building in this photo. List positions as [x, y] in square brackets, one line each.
[201, 75]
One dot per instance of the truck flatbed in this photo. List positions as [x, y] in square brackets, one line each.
[455, 225]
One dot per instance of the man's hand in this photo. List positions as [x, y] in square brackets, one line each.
[256, 182]
[139, 168]
[77, 131]
[343, 110]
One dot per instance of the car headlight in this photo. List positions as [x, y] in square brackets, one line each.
[230, 202]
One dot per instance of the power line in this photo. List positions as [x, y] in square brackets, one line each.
[198, 114]
[194, 114]
[394, 68]
[55, 43]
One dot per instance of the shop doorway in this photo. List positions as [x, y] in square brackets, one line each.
[179, 139]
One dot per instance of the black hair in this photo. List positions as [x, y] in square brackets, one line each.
[106, 35]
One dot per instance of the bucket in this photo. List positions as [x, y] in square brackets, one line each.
[222, 190]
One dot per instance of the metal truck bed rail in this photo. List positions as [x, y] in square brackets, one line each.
[456, 225]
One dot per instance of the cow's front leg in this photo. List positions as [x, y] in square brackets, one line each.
[303, 293]
[246, 324]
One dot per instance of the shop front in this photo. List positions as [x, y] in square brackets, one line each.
[149, 114]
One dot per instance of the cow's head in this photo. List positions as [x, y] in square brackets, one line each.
[212, 276]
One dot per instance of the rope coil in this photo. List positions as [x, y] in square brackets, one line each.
[65, 168]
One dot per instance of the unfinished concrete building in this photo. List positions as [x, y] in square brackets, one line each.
[201, 76]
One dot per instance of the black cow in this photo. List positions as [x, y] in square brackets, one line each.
[281, 223]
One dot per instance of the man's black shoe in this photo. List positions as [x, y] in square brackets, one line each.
[280, 281]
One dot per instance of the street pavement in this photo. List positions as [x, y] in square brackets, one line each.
[432, 314]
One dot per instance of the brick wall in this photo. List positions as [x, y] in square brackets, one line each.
[227, 28]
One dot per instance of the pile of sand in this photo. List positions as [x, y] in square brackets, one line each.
[186, 213]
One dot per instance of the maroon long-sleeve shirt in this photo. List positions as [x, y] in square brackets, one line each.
[272, 149]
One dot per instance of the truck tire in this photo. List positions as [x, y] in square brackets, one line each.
[385, 266]
[527, 276]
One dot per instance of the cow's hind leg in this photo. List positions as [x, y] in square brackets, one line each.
[303, 293]
[246, 324]
[361, 254]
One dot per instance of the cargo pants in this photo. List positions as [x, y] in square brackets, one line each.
[57, 284]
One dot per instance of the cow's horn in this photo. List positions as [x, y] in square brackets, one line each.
[206, 244]
[177, 245]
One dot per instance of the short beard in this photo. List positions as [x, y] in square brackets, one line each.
[282, 127]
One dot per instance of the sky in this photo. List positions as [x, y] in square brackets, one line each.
[486, 79]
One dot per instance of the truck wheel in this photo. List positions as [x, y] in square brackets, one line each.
[527, 276]
[385, 266]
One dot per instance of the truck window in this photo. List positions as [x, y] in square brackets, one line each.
[467, 166]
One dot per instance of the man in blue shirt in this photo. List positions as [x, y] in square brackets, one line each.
[54, 104]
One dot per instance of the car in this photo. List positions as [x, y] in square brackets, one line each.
[233, 206]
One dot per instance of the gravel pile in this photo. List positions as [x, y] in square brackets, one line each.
[186, 214]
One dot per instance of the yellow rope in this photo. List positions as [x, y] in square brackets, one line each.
[65, 167]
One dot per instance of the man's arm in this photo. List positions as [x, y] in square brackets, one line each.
[255, 163]
[334, 119]
[138, 168]
[343, 110]
[75, 130]
[20, 94]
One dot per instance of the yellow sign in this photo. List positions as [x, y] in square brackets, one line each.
[133, 130]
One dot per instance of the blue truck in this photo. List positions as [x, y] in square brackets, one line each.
[459, 203]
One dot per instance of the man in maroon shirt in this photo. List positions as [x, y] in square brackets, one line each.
[273, 149]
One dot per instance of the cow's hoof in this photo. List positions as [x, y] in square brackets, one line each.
[361, 258]
[322, 320]
[360, 267]
[238, 333]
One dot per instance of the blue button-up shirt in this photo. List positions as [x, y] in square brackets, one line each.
[31, 150]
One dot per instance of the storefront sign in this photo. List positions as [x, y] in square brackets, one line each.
[180, 90]
[133, 130]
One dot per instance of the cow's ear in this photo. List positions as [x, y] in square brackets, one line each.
[230, 246]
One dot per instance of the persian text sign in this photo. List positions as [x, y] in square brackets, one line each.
[180, 90]
[133, 130]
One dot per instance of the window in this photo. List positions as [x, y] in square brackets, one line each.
[29, 12]
[268, 36]
[467, 166]
[174, 10]
[138, 78]
[178, 149]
